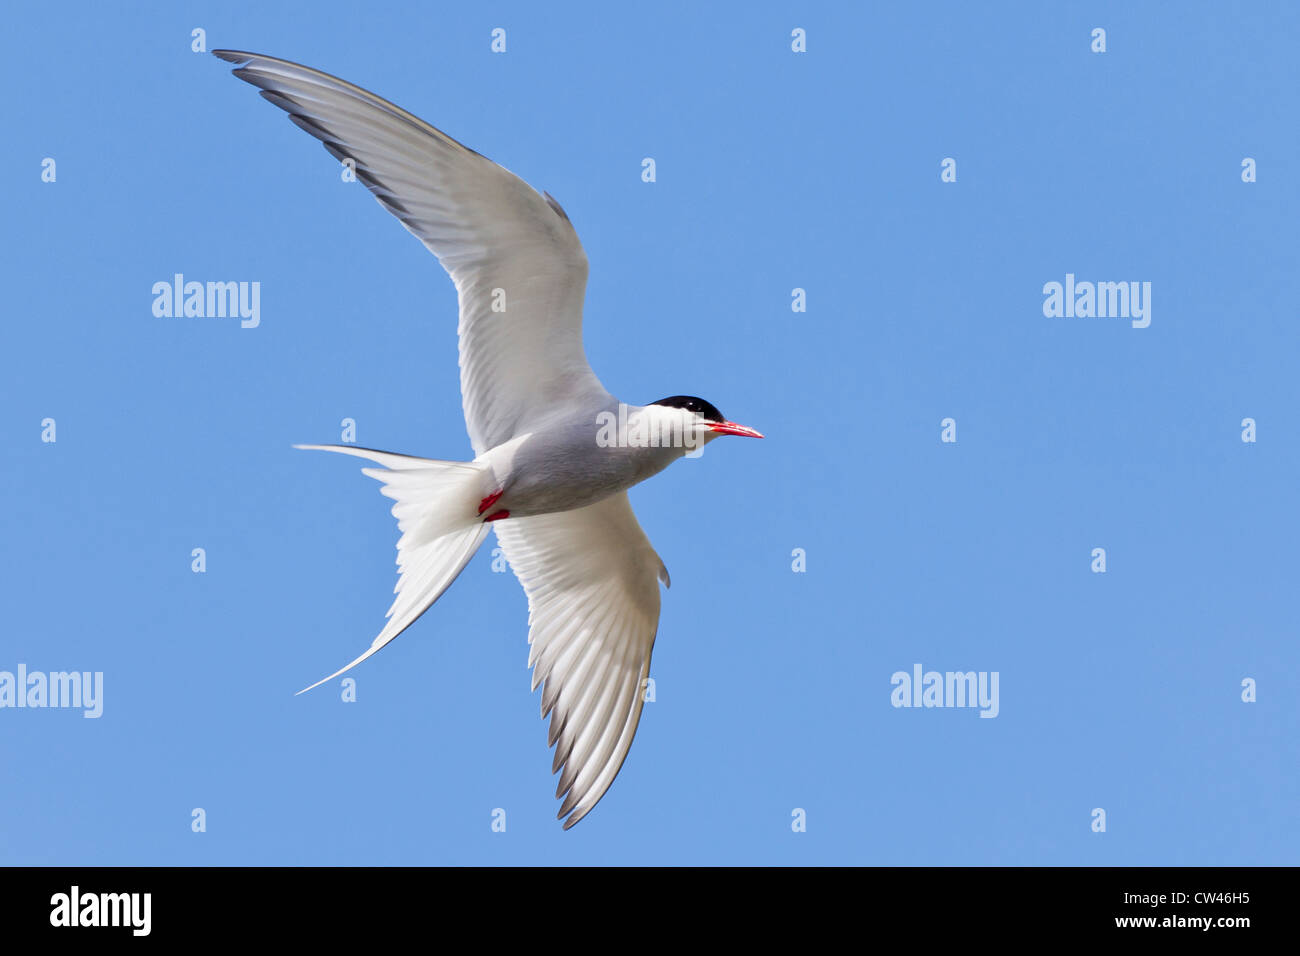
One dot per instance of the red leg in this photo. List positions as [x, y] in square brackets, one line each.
[497, 515]
[489, 501]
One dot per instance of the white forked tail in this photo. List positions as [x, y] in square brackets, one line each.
[436, 509]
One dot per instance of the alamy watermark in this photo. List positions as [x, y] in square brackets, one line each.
[922, 688]
[73, 689]
[129, 910]
[211, 300]
[1102, 300]
[650, 427]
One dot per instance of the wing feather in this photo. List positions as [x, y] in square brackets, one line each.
[592, 579]
[519, 268]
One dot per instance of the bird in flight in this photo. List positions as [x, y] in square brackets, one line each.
[554, 452]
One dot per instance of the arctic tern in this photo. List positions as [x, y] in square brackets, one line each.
[554, 452]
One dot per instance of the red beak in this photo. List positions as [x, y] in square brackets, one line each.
[731, 428]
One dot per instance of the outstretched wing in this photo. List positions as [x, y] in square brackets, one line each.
[515, 258]
[592, 579]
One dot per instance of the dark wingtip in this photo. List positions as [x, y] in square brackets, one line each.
[232, 56]
[550, 201]
[280, 100]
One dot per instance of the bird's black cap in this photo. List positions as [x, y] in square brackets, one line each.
[693, 404]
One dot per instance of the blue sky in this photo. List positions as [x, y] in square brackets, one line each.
[775, 170]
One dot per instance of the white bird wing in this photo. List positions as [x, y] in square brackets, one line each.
[592, 579]
[516, 260]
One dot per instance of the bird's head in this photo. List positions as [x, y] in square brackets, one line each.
[702, 419]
